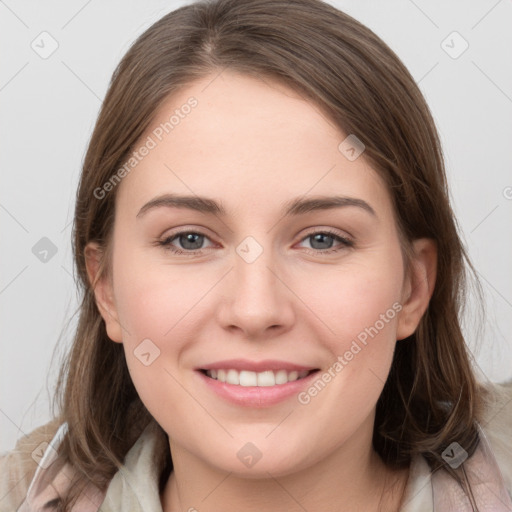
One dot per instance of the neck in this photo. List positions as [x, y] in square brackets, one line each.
[353, 477]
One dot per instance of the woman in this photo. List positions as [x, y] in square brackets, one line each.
[219, 362]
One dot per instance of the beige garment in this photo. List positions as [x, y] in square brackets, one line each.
[28, 481]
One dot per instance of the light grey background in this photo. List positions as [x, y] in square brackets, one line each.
[49, 107]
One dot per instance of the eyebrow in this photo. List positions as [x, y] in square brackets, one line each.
[297, 206]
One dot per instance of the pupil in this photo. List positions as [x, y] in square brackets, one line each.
[319, 237]
[191, 238]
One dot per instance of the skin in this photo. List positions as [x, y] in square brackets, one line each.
[253, 145]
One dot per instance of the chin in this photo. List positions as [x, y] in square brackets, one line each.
[261, 470]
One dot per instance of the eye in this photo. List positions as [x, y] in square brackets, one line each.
[191, 242]
[321, 242]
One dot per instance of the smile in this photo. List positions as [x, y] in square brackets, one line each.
[262, 379]
[256, 389]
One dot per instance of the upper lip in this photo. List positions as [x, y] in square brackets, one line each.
[255, 366]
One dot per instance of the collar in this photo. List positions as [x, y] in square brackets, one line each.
[135, 486]
[438, 492]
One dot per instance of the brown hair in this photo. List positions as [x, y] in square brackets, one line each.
[431, 397]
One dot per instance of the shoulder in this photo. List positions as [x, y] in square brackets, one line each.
[497, 425]
[18, 466]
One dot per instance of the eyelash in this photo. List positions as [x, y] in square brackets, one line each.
[345, 243]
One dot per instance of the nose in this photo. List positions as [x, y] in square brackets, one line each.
[258, 301]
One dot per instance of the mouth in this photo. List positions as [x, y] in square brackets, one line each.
[256, 384]
[256, 389]
[266, 378]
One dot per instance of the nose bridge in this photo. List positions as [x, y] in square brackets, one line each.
[254, 280]
[257, 298]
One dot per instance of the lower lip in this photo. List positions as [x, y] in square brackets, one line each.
[257, 396]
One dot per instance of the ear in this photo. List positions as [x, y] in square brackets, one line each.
[418, 286]
[103, 291]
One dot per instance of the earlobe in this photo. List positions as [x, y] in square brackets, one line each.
[103, 291]
[419, 286]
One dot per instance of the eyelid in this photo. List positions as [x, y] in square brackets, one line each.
[346, 242]
[187, 228]
[309, 231]
[183, 231]
[328, 230]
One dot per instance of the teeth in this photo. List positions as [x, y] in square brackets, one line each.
[248, 378]
[232, 377]
[281, 377]
[262, 379]
[266, 378]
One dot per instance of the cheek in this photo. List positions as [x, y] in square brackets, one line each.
[153, 303]
[362, 310]
[153, 299]
[359, 304]
[154, 309]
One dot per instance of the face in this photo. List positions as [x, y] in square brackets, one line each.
[249, 288]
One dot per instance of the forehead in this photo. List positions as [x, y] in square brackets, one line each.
[251, 143]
